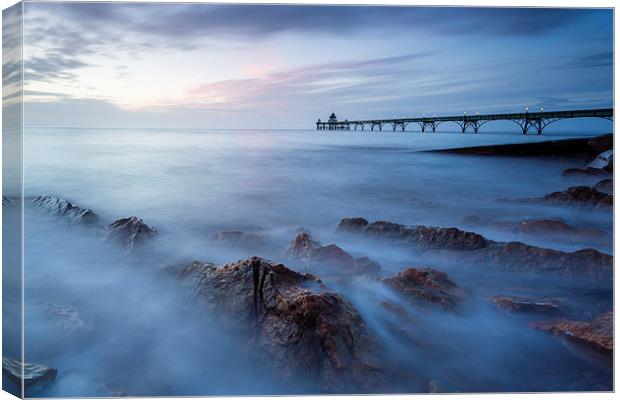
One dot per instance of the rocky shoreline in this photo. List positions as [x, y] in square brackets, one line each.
[312, 337]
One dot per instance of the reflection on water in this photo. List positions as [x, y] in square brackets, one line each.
[141, 334]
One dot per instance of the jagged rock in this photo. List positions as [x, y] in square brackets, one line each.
[352, 225]
[472, 248]
[65, 317]
[312, 339]
[240, 239]
[303, 248]
[596, 334]
[605, 186]
[130, 232]
[65, 209]
[552, 228]
[575, 196]
[525, 304]
[35, 376]
[427, 285]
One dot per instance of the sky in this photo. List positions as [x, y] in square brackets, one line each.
[265, 66]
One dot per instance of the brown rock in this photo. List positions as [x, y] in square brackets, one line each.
[310, 338]
[352, 225]
[596, 335]
[472, 248]
[312, 254]
[474, 221]
[130, 232]
[427, 285]
[605, 186]
[576, 196]
[525, 304]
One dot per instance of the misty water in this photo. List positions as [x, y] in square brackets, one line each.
[141, 332]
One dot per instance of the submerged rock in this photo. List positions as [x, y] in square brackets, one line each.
[310, 252]
[596, 335]
[472, 248]
[575, 196]
[130, 232]
[64, 209]
[427, 285]
[605, 186]
[525, 304]
[312, 339]
[35, 376]
[239, 238]
[65, 317]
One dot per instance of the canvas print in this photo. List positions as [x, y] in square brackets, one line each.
[205, 199]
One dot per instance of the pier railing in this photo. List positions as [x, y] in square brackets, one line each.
[527, 121]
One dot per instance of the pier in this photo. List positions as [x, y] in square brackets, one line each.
[527, 121]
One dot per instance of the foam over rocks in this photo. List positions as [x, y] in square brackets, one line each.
[471, 248]
[65, 209]
[303, 248]
[310, 338]
[130, 232]
[35, 376]
[596, 335]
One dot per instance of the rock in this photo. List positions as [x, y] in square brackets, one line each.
[65, 317]
[596, 335]
[605, 186]
[35, 376]
[471, 248]
[5, 202]
[65, 209]
[303, 248]
[604, 161]
[352, 225]
[311, 339]
[525, 304]
[239, 239]
[575, 196]
[130, 232]
[427, 285]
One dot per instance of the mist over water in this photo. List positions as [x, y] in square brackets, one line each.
[141, 331]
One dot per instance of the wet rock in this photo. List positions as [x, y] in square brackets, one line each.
[310, 252]
[35, 376]
[420, 236]
[526, 304]
[427, 285]
[352, 225]
[310, 338]
[605, 186]
[471, 248]
[596, 335]
[65, 317]
[130, 232]
[575, 196]
[239, 239]
[65, 209]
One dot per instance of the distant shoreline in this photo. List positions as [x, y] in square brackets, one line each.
[586, 147]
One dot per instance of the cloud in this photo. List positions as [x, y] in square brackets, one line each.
[605, 59]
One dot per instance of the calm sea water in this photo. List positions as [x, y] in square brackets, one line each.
[147, 338]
